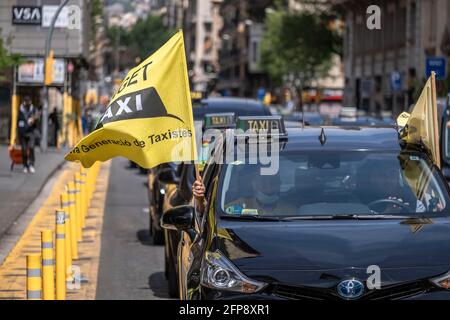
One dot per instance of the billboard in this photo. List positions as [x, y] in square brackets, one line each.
[32, 71]
[30, 15]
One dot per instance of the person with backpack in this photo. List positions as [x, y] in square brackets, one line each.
[26, 126]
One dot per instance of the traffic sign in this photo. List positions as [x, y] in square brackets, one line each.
[396, 81]
[436, 64]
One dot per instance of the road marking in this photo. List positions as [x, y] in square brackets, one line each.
[13, 271]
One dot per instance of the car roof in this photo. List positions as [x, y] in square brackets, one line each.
[343, 138]
[240, 106]
[232, 101]
[308, 115]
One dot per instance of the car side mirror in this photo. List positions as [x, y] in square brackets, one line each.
[167, 176]
[178, 218]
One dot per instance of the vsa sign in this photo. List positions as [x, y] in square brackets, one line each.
[26, 15]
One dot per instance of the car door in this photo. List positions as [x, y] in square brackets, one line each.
[188, 251]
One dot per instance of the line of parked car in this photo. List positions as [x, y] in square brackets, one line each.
[311, 244]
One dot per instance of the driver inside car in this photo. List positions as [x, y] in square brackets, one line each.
[392, 195]
[263, 200]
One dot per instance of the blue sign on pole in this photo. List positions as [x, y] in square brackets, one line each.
[396, 81]
[261, 93]
[436, 64]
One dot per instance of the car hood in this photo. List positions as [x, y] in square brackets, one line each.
[309, 250]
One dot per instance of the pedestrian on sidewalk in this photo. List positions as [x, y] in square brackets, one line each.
[54, 121]
[26, 126]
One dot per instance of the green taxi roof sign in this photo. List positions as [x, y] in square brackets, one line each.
[271, 125]
[219, 120]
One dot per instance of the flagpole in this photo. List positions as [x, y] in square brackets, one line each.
[197, 171]
[435, 119]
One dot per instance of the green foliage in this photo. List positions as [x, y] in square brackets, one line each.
[7, 60]
[146, 36]
[96, 12]
[298, 43]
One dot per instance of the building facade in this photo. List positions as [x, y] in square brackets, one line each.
[201, 24]
[384, 68]
[23, 27]
[241, 34]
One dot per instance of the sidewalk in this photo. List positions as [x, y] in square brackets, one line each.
[18, 189]
[13, 269]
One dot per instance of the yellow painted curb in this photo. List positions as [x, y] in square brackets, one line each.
[13, 271]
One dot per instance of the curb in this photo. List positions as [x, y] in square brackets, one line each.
[15, 230]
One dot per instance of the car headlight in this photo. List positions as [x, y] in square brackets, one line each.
[220, 273]
[442, 281]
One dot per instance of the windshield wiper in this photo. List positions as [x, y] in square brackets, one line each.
[347, 217]
[318, 217]
[367, 216]
[249, 218]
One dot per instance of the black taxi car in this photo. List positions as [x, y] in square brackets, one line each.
[444, 111]
[211, 113]
[178, 191]
[351, 213]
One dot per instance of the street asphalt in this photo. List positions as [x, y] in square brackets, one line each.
[131, 267]
[18, 189]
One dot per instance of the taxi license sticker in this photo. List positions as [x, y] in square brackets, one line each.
[234, 209]
[250, 212]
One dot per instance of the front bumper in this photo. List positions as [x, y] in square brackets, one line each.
[210, 294]
[435, 295]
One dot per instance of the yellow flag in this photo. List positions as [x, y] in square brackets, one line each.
[149, 119]
[421, 126]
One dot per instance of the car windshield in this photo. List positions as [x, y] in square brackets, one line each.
[319, 183]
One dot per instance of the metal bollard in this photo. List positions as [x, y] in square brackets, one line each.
[84, 194]
[73, 191]
[92, 178]
[65, 207]
[68, 205]
[48, 265]
[95, 169]
[91, 183]
[34, 277]
[60, 258]
[93, 175]
[79, 194]
[68, 247]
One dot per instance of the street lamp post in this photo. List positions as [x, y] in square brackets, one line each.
[48, 41]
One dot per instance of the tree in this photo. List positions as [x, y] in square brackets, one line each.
[299, 46]
[7, 59]
[147, 35]
[96, 15]
[144, 38]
